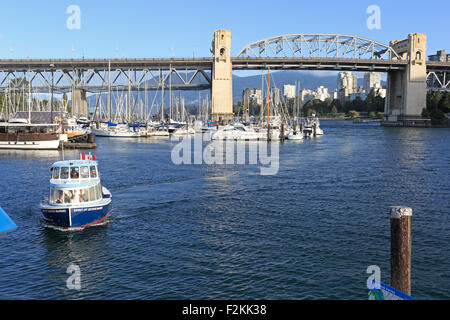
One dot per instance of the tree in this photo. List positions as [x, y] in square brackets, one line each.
[334, 111]
[437, 105]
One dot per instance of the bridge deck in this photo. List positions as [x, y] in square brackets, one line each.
[46, 65]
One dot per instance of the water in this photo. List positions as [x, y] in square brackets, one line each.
[226, 232]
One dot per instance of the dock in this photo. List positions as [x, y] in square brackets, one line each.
[77, 145]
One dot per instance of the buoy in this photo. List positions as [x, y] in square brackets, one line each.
[6, 224]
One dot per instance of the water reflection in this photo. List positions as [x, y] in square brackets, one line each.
[85, 248]
[408, 145]
[27, 154]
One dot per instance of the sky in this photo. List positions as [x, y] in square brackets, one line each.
[156, 29]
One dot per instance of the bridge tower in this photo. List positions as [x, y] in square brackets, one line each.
[221, 78]
[406, 89]
[79, 103]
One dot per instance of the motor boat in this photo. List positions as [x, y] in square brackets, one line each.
[116, 131]
[312, 126]
[77, 198]
[184, 130]
[238, 132]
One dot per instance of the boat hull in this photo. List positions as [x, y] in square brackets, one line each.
[295, 137]
[76, 217]
[30, 145]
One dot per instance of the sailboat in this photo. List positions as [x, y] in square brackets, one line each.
[296, 134]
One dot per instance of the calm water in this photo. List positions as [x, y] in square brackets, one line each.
[226, 232]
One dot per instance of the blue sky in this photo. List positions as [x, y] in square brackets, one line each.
[37, 29]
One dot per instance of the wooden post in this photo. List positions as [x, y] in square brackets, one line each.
[401, 248]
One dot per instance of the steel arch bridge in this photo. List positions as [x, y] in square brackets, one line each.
[319, 45]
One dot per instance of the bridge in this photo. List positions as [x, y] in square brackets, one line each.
[409, 74]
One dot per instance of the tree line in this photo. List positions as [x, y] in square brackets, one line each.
[438, 104]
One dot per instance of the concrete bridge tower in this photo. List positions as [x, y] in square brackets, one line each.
[79, 103]
[406, 90]
[222, 87]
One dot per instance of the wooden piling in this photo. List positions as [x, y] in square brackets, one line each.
[401, 218]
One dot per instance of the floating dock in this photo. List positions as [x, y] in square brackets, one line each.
[77, 145]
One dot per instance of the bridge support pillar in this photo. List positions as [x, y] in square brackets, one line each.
[222, 78]
[406, 90]
[79, 103]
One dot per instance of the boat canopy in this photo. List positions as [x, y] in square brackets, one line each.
[74, 173]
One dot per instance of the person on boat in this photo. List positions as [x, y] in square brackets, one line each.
[69, 196]
[74, 173]
[82, 196]
[61, 197]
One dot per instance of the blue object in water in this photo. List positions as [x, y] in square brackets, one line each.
[6, 224]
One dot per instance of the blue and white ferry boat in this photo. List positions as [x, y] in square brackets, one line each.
[77, 198]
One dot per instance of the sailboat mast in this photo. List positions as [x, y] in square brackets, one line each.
[268, 97]
[29, 101]
[109, 90]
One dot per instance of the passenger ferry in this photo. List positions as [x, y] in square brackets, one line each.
[77, 198]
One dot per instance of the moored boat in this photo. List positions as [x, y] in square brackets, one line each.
[77, 198]
[26, 136]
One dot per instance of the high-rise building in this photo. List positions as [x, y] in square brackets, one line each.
[372, 80]
[306, 95]
[346, 85]
[289, 91]
[322, 93]
[252, 96]
[440, 56]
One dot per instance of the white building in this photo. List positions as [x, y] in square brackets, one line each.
[372, 80]
[252, 96]
[289, 91]
[322, 93]
[306, 95]
[346, 85]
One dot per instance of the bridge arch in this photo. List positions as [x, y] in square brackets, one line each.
[319, 45]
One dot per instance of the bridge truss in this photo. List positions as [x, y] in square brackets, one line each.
[62, 76]
[438, 76]
[308, 45]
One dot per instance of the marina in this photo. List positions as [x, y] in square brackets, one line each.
[204, 231]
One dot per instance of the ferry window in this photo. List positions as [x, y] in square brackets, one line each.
[91, 194]
[83, 195]
[97, 188]
[69, 196]
[56, 173]
[64, 173]
[100, 190]
[93, 172]
[84, 172]
[74, 173]
[58, 196]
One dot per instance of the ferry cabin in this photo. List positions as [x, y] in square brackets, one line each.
[75, 183]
